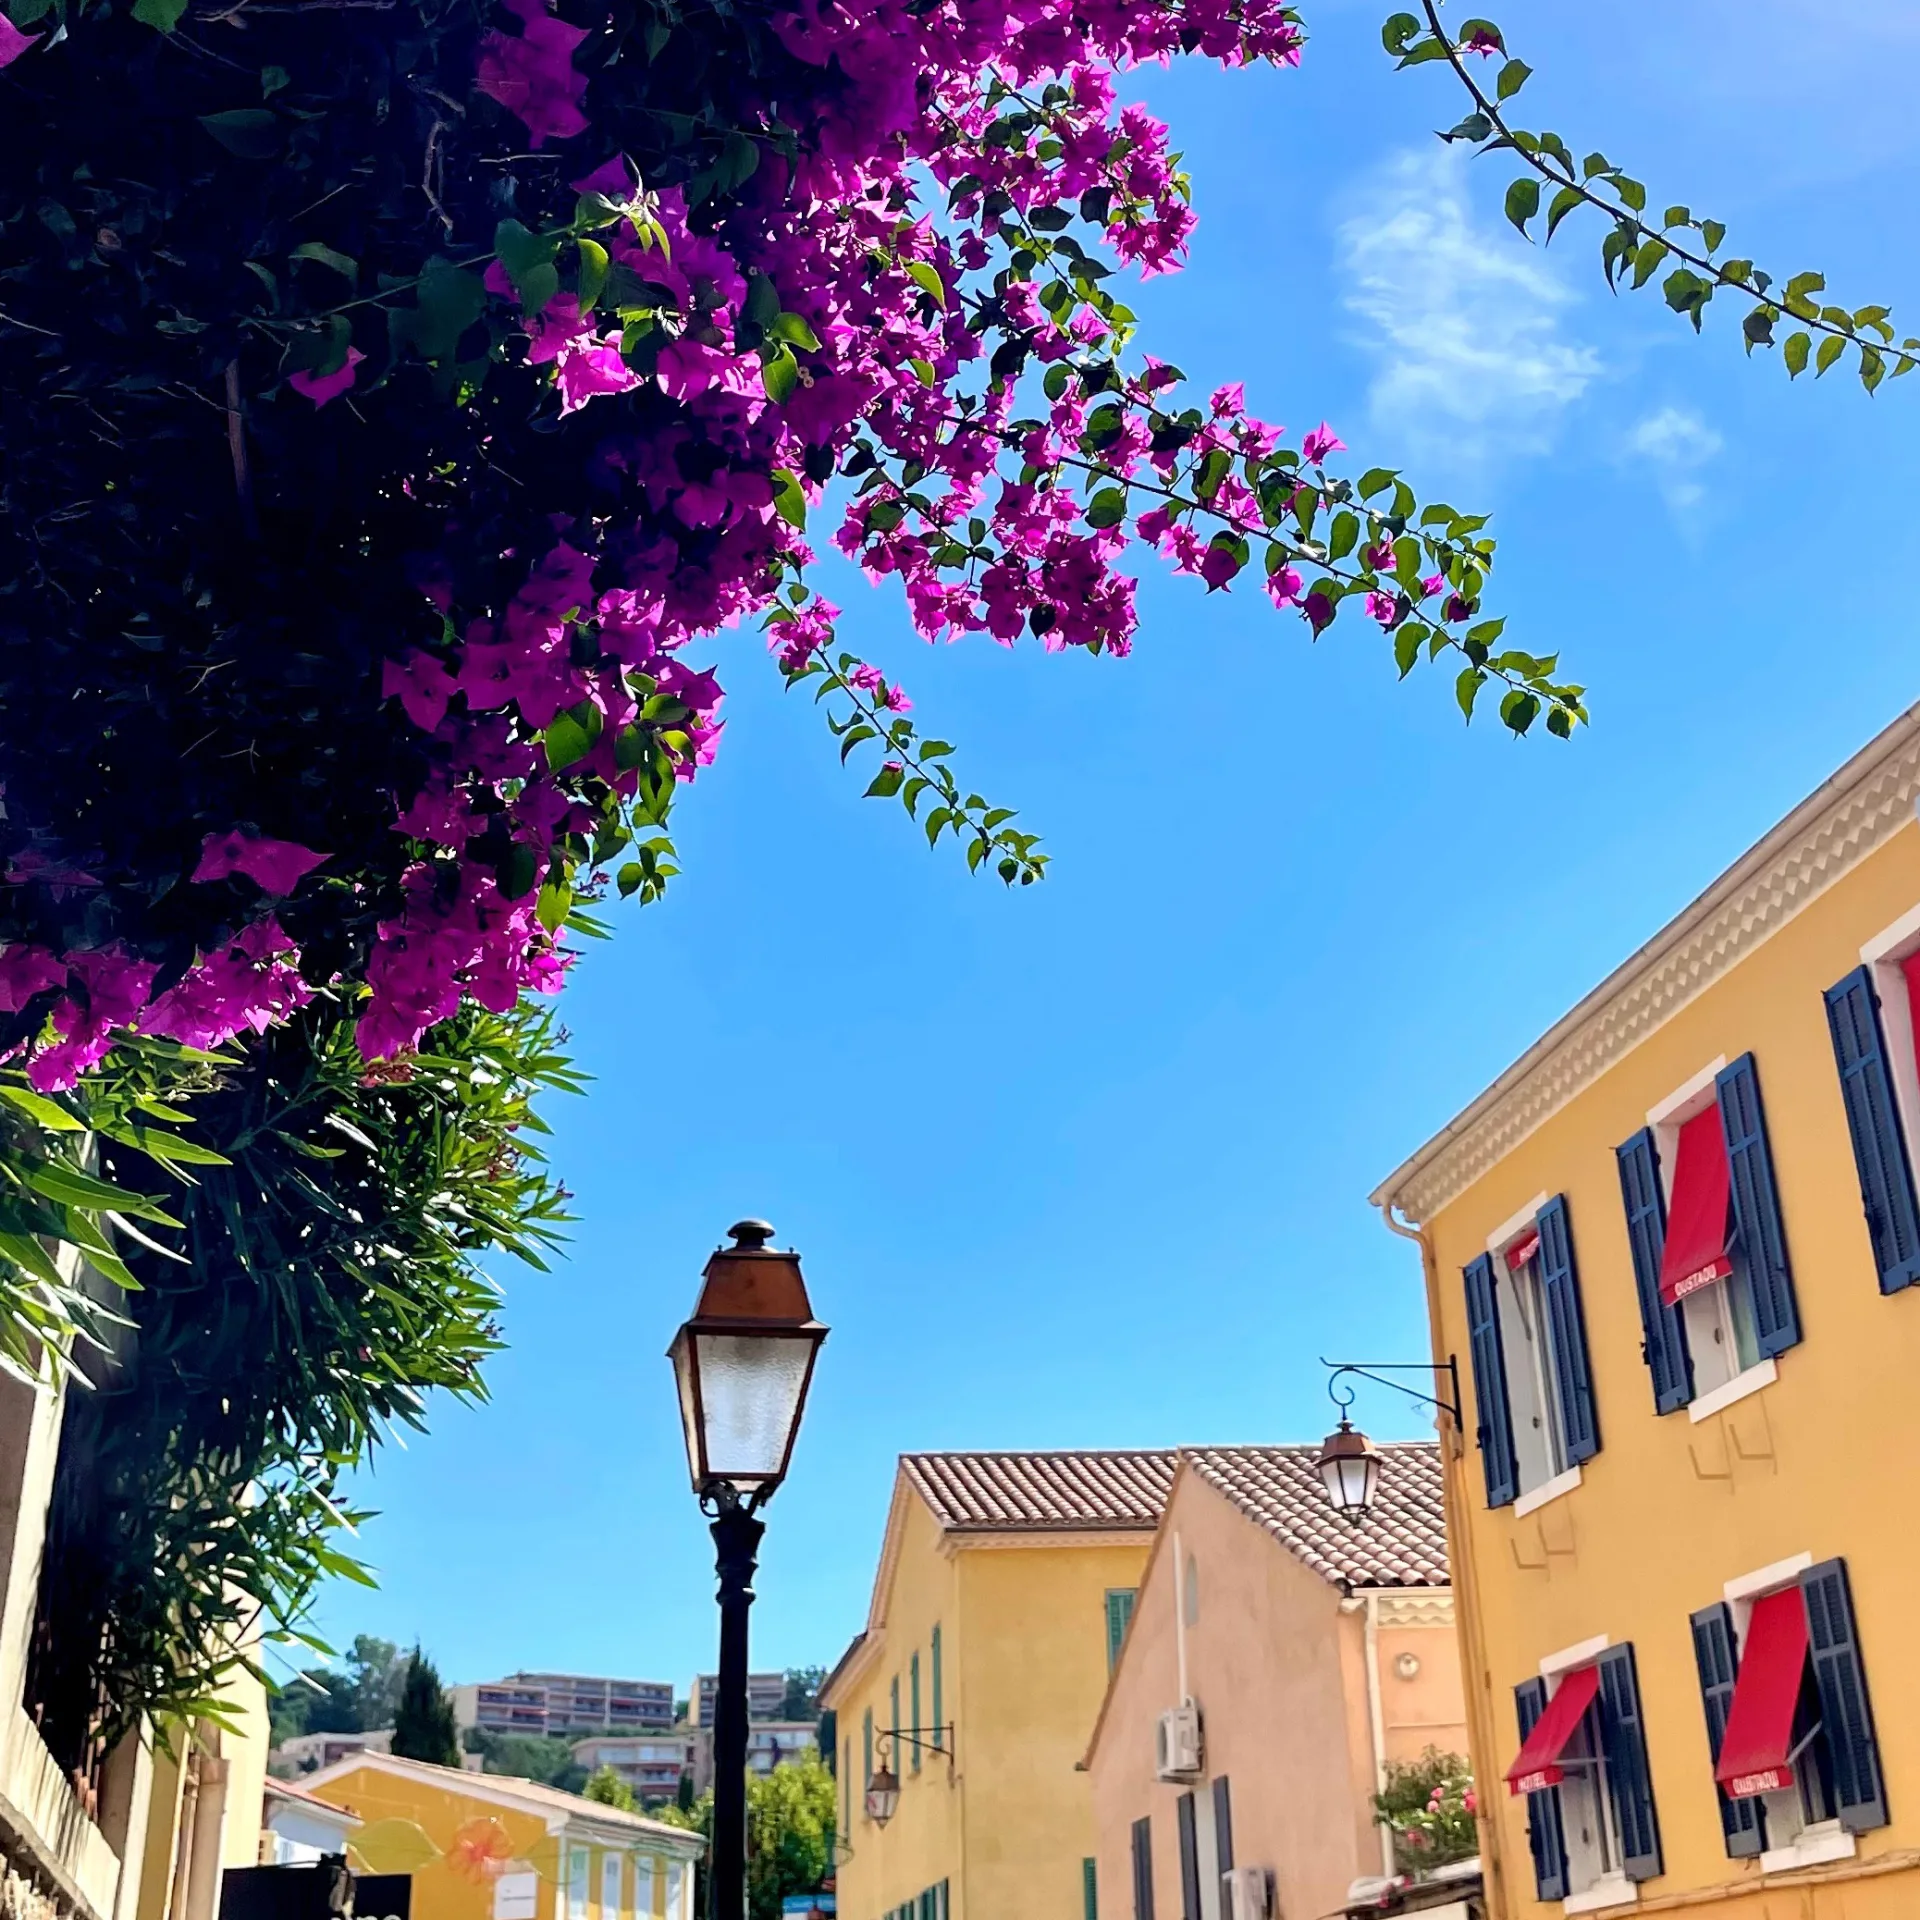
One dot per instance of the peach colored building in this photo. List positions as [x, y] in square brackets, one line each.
[1315, 1653]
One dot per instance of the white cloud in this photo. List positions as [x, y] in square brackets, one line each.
[1463, 319]
[1675, 444]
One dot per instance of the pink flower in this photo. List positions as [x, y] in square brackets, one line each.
[322, 387]
[1385, 608]
[423, 686]
[1320, 443]
[25, 971]
[1483, 40]
[13, 43]
[277, 866]
[532, 73]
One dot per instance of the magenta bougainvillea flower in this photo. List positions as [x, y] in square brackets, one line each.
[277, 865]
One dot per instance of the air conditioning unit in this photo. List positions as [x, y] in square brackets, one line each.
[1246, 1893]
[1177, 1749]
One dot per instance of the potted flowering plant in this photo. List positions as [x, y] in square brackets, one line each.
[1429, 1806]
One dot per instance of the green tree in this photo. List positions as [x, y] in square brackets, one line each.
[423, 1726]
[683, 1794]
[802, 1698]
[531, 1756]
[790, 1828]
[695, 1816]
[609, 1790]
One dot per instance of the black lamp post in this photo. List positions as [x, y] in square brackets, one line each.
[743, 1363]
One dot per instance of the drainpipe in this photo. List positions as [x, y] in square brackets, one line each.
[209, 1832]
[183, 1830]
[1475, 1675]
[1377, 1723]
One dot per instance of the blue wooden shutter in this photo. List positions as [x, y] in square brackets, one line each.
[1873, 1119]
[1189, 1857]
[1143, 1868]
[1623, 1737]
[1762, 1247]
[1223, 1825]
[1490, 1383]
[1545, 1835]
[1859, 1787]
[1743, 1822]
[1663, 1329]
[1572, 1378]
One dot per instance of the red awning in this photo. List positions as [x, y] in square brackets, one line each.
[1538, 1764]
[1696, 1254]
[1759, 1735]
[1523, 1250]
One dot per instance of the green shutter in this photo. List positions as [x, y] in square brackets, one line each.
[1119, 1612]
[939, 1704]
[893, 1753]
[914, 1670]
[1089, 1892]
[866, 1740]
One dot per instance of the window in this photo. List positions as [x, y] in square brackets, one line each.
[679, 1892]
[609, 1885]
[914, 1668]
[579, 1882]
[1119, 1615]
[1789, 1720]
[1143, 1868]
[1223, 1825]
[1716, 1295]
[939, 1700]
[1528, 1343]
[1871, 1016]
[1089, 1891]
[1188, 1828]
[1582, 1764]
[643, 1888]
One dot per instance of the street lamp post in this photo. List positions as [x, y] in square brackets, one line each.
[743, 1364]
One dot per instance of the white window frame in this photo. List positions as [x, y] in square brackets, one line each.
[579, 1882]
[612, 1875]
[1712, 1314]
[1589, 1824]
[1808, 1843]
[1882, 956]
[1540, 1466]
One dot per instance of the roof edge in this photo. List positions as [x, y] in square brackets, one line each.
[1846, 818]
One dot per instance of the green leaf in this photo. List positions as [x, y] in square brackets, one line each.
[50, 1114]
[1632, 193]
[1646, 259]
[1831, 348]
[567, 741]
[554, 904]
[594, 266]
[1513, 76]
[795, 331]
[342, 264]
[1398, 30]
[789, 502]
[1519, 710]
[925, 277]
[1564, 203]
[1343, 536]
[1798, 346]
[251, 132]
[448, 301]
[72, 1188]
[163, 15]
[27, 1252]
[1873, 369]
[1376, 480]
[1523, 201]
[780, 375]
[1107, 508]
[528, 261]
[887, 782]
[167, 1148]
[923, 371]
[1466, 689]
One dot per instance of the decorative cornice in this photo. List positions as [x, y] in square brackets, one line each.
[1415, 1609]
[1869, 800]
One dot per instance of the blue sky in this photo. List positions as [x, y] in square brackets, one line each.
[1088, 1166]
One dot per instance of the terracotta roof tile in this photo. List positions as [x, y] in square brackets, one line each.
[1042, 1492]
[1402, 1542]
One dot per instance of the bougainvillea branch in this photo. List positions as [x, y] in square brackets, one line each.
[1687, 246]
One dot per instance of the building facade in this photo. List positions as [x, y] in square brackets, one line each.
[651, 1764]
[766, 1697]
[1004, 1582]
[481, 1846]
[564, 1705]
[1673, 1248]
[1314, 1655]
[770, 1744]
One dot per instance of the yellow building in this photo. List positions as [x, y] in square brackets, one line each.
[1005, 1585]
[483, 1846]
[1673, 1247]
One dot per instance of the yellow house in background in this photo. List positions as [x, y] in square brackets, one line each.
[484, 1846]
[1674, 1248]
[1005, 1585]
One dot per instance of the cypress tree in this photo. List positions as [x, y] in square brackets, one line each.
[423, 1726]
